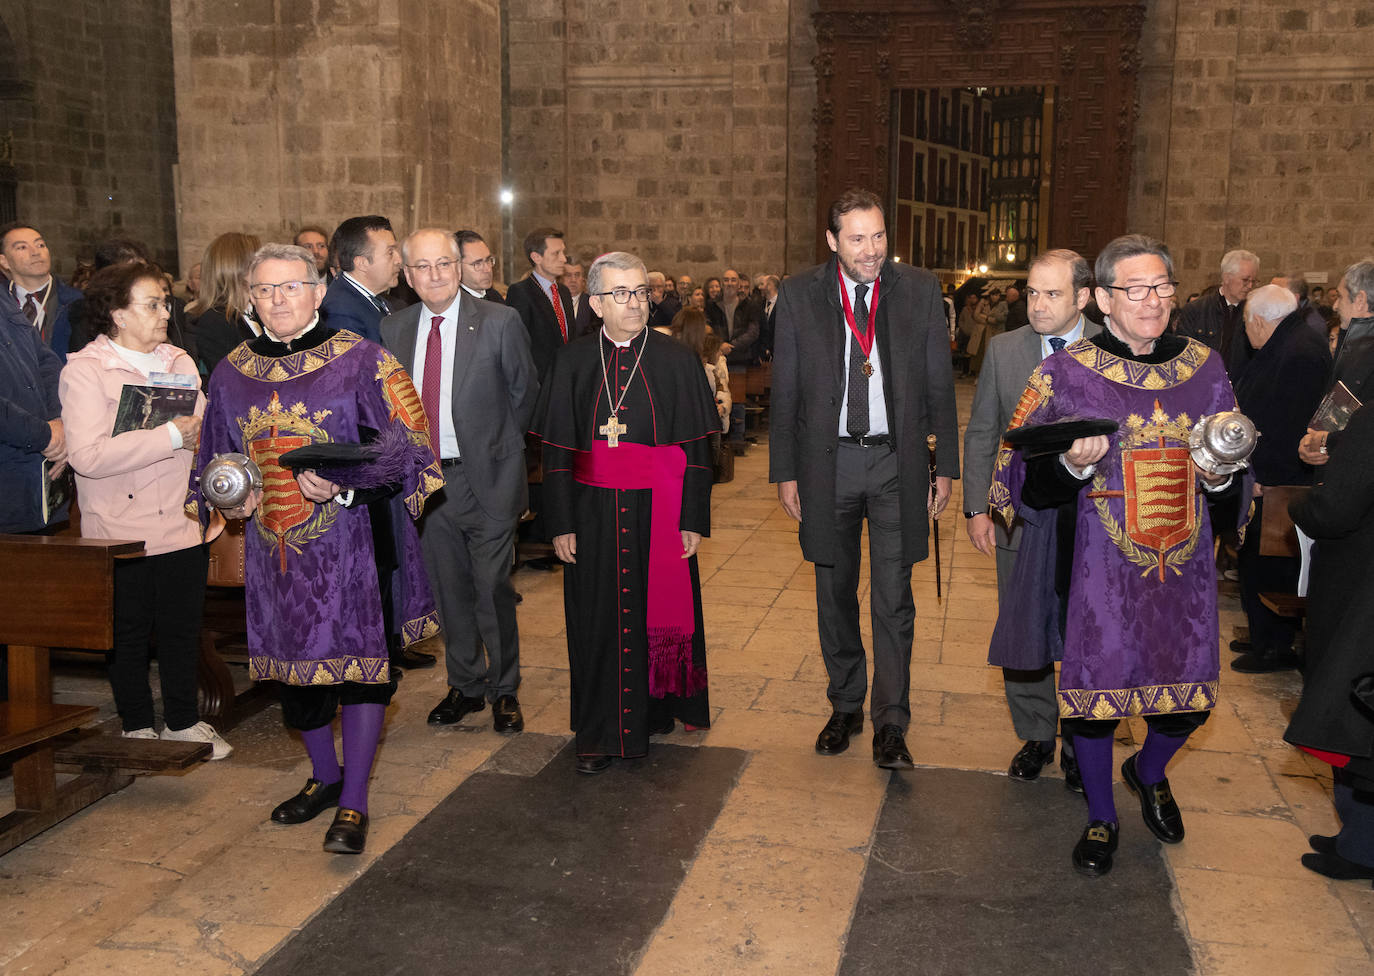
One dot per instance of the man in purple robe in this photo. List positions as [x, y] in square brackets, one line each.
[1140, 634]
[624, 419]
[328, 570]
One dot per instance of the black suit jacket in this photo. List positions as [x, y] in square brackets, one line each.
[585, 321]
[1279, 390]
[742, 332]
[808, 388]
[535, 308]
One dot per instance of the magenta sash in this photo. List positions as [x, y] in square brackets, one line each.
[671, 617]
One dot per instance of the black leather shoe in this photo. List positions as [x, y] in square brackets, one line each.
[591, 765]
[348, 833]
[1092, 855]
[1239, 646]
[889, 749]
[454, 706]
[1157, 805]
[1073, 779]
[506, 717]
[309, 803]
[1332, 865]
[669, 724]
[1322, 844]
[834, 738]
[1027, 763]
[1259, 662]
[408, 660]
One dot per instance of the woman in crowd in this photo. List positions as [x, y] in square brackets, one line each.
[1334, 719]
[689, 325]
[132, 485]
[220, 314]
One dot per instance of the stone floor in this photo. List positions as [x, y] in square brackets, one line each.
[183, 873]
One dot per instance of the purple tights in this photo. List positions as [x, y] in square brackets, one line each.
[362, 730]
[1095, 765]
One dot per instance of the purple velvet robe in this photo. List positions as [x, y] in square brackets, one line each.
[1141, 632]
[312, 589]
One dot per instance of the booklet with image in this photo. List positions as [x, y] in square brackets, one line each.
[1333, 413]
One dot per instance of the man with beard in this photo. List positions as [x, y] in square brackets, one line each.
[861, 376]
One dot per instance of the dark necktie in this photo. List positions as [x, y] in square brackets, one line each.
[856, 421]
[1056, 344]
[432, 380]
[381, 304]
[30, 309]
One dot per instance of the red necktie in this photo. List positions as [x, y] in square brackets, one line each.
[558, 310]
[432, 380]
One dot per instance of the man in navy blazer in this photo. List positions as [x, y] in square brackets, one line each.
[471, 362]
[40, 294]
[370, 263]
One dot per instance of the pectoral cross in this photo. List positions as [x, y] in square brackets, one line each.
[612, 428]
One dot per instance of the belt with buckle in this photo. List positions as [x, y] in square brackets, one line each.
[867, 440]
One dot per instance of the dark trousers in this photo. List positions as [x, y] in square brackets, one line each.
[160, 596]
[306, 707]
[866, 486]
[467, 559]
[1180, 725]
[1269, 633]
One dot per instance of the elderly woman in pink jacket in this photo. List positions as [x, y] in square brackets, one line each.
[131, 406]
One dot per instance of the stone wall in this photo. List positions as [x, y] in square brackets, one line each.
[92, 128]
[1255, 132]
[309, 111]
[680, 129]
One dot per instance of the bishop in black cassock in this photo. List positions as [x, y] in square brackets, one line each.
[624, 418]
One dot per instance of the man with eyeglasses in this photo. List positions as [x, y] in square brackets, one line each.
[369, 265]
[624, 421]
[1140, 631]
[477, 267]
[471, 361]
[1218, 320]
[330, 572]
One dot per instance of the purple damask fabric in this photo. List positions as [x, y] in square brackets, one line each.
[1141, 633]
[312, 586]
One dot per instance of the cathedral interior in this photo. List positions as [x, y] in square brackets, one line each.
[700, 135]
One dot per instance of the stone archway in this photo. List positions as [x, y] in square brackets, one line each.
[1089, 52]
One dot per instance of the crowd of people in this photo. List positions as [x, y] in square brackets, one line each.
[588, 406]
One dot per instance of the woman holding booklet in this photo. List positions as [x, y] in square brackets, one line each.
[131, 406]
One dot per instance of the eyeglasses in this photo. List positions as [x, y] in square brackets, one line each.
[1138, 293]
[291, 289]
[487, 262]
[622, 295]
[443, 266]
[154, 306]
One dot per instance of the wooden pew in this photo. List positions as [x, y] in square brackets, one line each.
[59, 591]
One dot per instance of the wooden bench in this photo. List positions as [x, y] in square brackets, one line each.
[59, 591]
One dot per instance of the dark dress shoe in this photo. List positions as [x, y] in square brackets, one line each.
[1332, 865]
[1073, 779]
[309, 803]
[889, 749]
[591, 765]
[1027, 763]
[834, 738]
[1157, 805]
[348, 833]
[454, 706]
[1260, 662]
[1322, 844]
[506, 717]
[665, 728]
[1239, 646]
[409, 660]
[1092, 855]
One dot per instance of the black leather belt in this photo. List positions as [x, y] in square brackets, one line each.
[867, 440]
[450, 462]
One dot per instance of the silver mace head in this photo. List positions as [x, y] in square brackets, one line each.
[1223, 442]
[228, 480]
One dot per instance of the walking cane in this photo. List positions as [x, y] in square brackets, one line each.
[934, 519]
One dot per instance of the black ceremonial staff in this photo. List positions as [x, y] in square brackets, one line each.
[934, 518]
